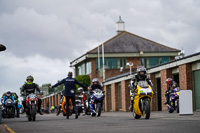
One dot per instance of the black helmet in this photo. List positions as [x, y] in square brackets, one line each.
[95, 80]
[8, 93]
[30, 78]
[141, 69]
[174, 85]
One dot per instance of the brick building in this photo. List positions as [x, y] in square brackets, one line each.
[185, 71]
[121, 49]
[118, 51]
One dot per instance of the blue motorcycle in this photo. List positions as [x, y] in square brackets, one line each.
[96, 102]
[174, 101]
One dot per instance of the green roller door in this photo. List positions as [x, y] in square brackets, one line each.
[197, 89]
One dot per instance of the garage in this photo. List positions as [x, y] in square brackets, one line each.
[197, 89]
[196, 77]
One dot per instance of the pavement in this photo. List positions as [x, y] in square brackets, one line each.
[109, 122]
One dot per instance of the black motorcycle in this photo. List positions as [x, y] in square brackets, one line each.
[9, 109]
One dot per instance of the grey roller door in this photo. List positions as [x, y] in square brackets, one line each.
[197, 89]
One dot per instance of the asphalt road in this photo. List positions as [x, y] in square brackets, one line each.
[109, 122]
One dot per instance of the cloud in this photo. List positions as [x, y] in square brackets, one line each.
[42, 37]
[14, 70]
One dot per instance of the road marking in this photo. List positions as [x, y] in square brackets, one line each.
[8, 129]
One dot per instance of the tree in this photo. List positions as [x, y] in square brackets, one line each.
[84, 79]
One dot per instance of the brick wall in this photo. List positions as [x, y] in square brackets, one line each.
[125, 95]
[114, 72]
[153, 102]
[114, 93]
[107, 98]
[136, 62]
[185, 77]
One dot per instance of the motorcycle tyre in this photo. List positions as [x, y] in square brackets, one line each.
[98, 109]
[146, 111]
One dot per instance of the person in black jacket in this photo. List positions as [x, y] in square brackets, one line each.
[2, 47]
[70, 89]
[30, 87]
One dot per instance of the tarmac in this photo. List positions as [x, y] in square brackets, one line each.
[3, 129]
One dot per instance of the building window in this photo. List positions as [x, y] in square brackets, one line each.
[154, 61]
[111, 63]
[88, 67]
[84, 68]
[81, 69]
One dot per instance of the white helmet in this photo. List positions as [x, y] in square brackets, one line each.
[95, 80]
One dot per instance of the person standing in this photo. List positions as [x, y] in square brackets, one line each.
[70, 89]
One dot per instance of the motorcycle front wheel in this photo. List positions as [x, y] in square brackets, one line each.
[99, 109]
[146, 111]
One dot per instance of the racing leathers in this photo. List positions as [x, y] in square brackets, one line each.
[133, 86]
[91, 99]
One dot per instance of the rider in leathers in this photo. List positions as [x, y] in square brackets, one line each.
[95, 85]
[30, 87]
[141, 75]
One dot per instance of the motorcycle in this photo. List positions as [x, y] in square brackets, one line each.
[79, 105]
[9, 109]
[97, 99]
[31, 106]
[81, 102]
[63, 106]
[174, 101]
[141, 100]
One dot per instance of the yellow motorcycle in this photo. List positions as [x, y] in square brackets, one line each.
[141, 100]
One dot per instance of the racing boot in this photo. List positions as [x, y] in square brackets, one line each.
[39, 106]
[93, 113]
[39, 110]
[58, 111]
[76, 116]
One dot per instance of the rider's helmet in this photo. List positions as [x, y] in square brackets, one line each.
[30, 78]
[80, 89]
[174, 85]
[168, 81]
[95, 80]
[8, 94]
[141, 71]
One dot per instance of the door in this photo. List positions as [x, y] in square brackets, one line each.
[159, 100]
[120, 96]
[197, 89]
[176, 78]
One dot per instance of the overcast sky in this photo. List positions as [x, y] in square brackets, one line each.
[43, 36]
